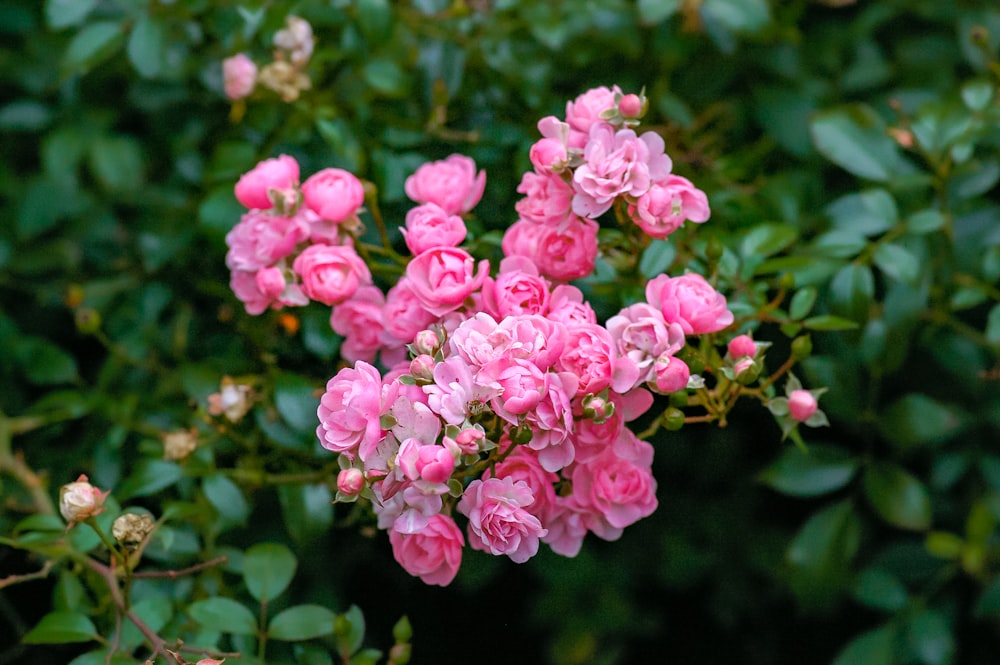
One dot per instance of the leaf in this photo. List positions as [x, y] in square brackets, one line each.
[871, 648]
[302, 622]
[880, 589]
[855, 138]
[918, 420]
[145, 47]
[62, 628]
[268, 569]
[375, 18]
[307, 510]
[802, 302]
[930, 637]
[148, 477]
[656, 258]
[155, 611]
[25, 115]
[925, 221]
[993, 326]
[61, 14]
[296, 401]
[868, 213]
[117, 162]
[652, 12]
[226, 498]
[767, 239]
[851, 292]
[821, 470]
[350, 630]
[44, 363]
[897, 496]
[819, 556]
[897, 262]
[92, 45]
[977, 94]
[224, 615]
[387, 77]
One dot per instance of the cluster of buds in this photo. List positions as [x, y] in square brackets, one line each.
[285, 74]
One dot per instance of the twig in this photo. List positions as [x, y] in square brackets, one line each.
[11, 580]
[174, 574]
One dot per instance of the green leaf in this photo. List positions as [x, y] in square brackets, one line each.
[226, 498]
[61, 14]
[897, 496]
[92, 45]
[925, 221]
[944, 545]
[295, 399]
[145, 47]
[386, 77]
[25, 115]
[224, 615]
[820, 470]
[988, 604]
[897, 262]
[767, 239]
[737, 15]
[866, 213]
[993, 326]
[977, 94]
[117, 162]
[918, 420]
[656, 258]
[652, 12]
[930, 638]
[155, 611]
[62, 628]
[302, 622]
[44, 363]
[374, 18]
[350, 630]
[852, 291]
[855, 138]
[880, 589]
[802, 302]
[819, 557]
[307, 510]
[871, 648]
[829, 322]
[268, 569]
[148, 477]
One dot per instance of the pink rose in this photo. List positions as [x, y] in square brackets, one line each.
[248, 286]
[522, 386]
[404, 316]
[433, 554]
[423, 462]
[564, 253]
[271, 282]
[518, 289]
[801, 405]
[239, 75]
[359, 321]
[455, 390]
[661, 210]
[551, 152]
[260, 240]
[498, 520]
[479, 340]
[585, 111]
[80, 500]
[551, 422]
[451, 183]
[333, 194]
[690, 301]
[641, 334]
[278, 174]
[349, 411]
[331, 273]
[443, 277]
[429, 226]
[617, 163]
[567, 306]
[523, 465]
[534, 338]
[590, 355]
[548, 199]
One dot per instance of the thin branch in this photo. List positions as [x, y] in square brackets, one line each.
[174, 574]
[11, 580]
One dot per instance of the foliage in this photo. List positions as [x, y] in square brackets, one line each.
[851, 154]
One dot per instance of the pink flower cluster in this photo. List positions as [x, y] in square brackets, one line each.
[503, 404]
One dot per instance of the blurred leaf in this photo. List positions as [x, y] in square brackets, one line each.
[387, 77]
[296, 400]
[652, 12]
[268, 569]
[897, 496]
[25, 115]
[656, 258]
[868, 213]
[92, 45]
[916, 419]
[988, 604]
[828, 322]
[61, 628]
[929, 636]
[977, 94]
[61, 14]
[767, 239]
[117, 162]
[855, 138]
[925, 221]
[350, 630]
[225, 615]
[375, 18]
[148, 477]
[226, 497]
[302, 622]
[145, 46]
[944, 545]
[852, 291]
[43, 362]
[820, 470]
[897, 262]
[317, 335]
[880, 589]
[821, 553]
[802, 303]
[307, 510]
[871, 648]
[993, 326]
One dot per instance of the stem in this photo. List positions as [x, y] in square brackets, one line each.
[11, 580]
[174, 574]
[14, 465]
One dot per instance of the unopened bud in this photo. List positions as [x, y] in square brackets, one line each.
[426, 342]
[597, 409]
[630, 106]
[740, 346]
[801, 405]
[422, 368]
[802, 347]
[350, 481]
[179, 444]
[399, 654]
[80, 500]
[746, 370]
[673, 419]
[672, 373]
[88, 321]
[130, 529]
[468, 440]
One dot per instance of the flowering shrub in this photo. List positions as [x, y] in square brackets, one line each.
[502, 397]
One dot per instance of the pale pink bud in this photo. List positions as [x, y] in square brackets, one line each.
[672, 374]
[743, 364]
[239, 74]
[422, 368]
[630, 106]
[598, 409]
[468, 440]
[742, 345]
[426, 342]
[801, 405]
[350, 481]
[80, 500]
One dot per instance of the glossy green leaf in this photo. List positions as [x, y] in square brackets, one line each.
[92, 45]
[925, 221]
[117, 162]
[224, 615]
[61, 628]
[652, 12]
[817, 471]
[296, 400]
[852, 291]
[767, 239]
[155, 612]
[227, 498]
[148, 477]
[930, 637]
[897, 262]
[387, 77]
[820, 555]
[657, 258]
[802, 302]
[350, 630]
[866, 213]
[871, 648]
[897, 496]
[917, 420]
[302, 622]
[307, 510]
[878, 588]
[61, 14]
[855, 138]
[268, 569]
[145, 46]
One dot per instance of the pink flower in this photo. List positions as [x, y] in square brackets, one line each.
[350, 481]
[567, 306]
[641, 334]
[548, 199]
[590, 355]
[443, 277]
[617, 163]
[271, 282]
[585, 111]
[801, 405]
[454, 390]
[534, 338]
[246, 286]
[349, 411]
[420, 461]
[522, 386]
[277, 174]
[433, 554]
[498, 520]
[331, 273]
[429, 226]
[661, 210]
[518, 289]
[451, 183]
[690, 301]
[239, 75]
[672, 374]
[523, 465]
[630, 106]
[359, 320]
[333, 194]
[741, 345]
[563, 252]
[80, 500]
[551, 422]
[404, 315]
[260, 240]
